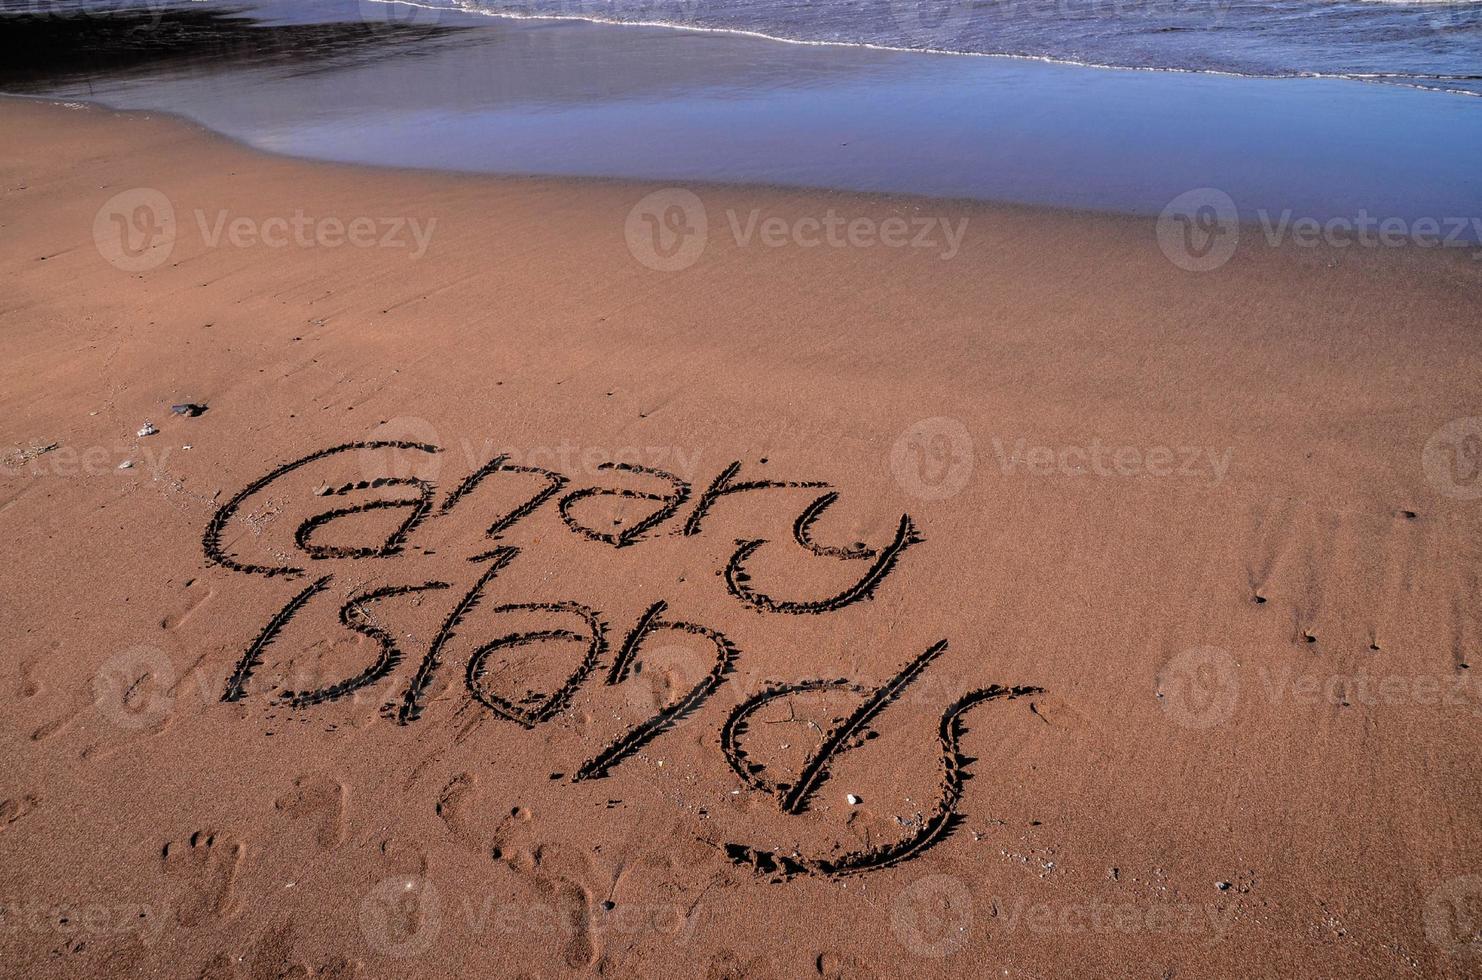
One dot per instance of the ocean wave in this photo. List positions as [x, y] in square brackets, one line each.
[1429, 82]
[1423, 3]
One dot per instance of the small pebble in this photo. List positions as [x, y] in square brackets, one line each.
[853, 800]
[147, 429]
[1223, 886]
[126, 465]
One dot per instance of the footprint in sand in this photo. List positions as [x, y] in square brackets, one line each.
[729, 965]
[834, 966]
[453, 806]
[218, 967]
[321, 801]
[14, 809]
[273, 957]
[55, 727]
[276, 955]
[31, 687]
[205, 867]
[195, 594]
[557, 875]
[129, 696]
[404, 858]
[28, 682]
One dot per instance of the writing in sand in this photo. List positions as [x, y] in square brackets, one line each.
[414, 499]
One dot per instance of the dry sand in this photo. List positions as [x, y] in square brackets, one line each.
[1206, 706]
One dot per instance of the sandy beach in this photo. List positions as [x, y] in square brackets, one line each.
[544, 576]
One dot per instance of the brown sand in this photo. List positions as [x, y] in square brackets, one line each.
[1254, 750]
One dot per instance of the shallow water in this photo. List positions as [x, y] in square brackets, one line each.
[334, 80]
[1431, 43]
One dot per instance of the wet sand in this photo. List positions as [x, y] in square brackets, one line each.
[467, 93]
[1202, 548]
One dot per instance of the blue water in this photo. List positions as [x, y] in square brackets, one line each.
[517, 96]
[1433, 44]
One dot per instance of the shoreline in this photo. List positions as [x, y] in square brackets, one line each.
[1247, 224]
[1201, 547]
[599, 180]
[1363, 77]
[514, 97]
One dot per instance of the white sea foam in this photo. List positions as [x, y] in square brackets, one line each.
[1398, 79]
